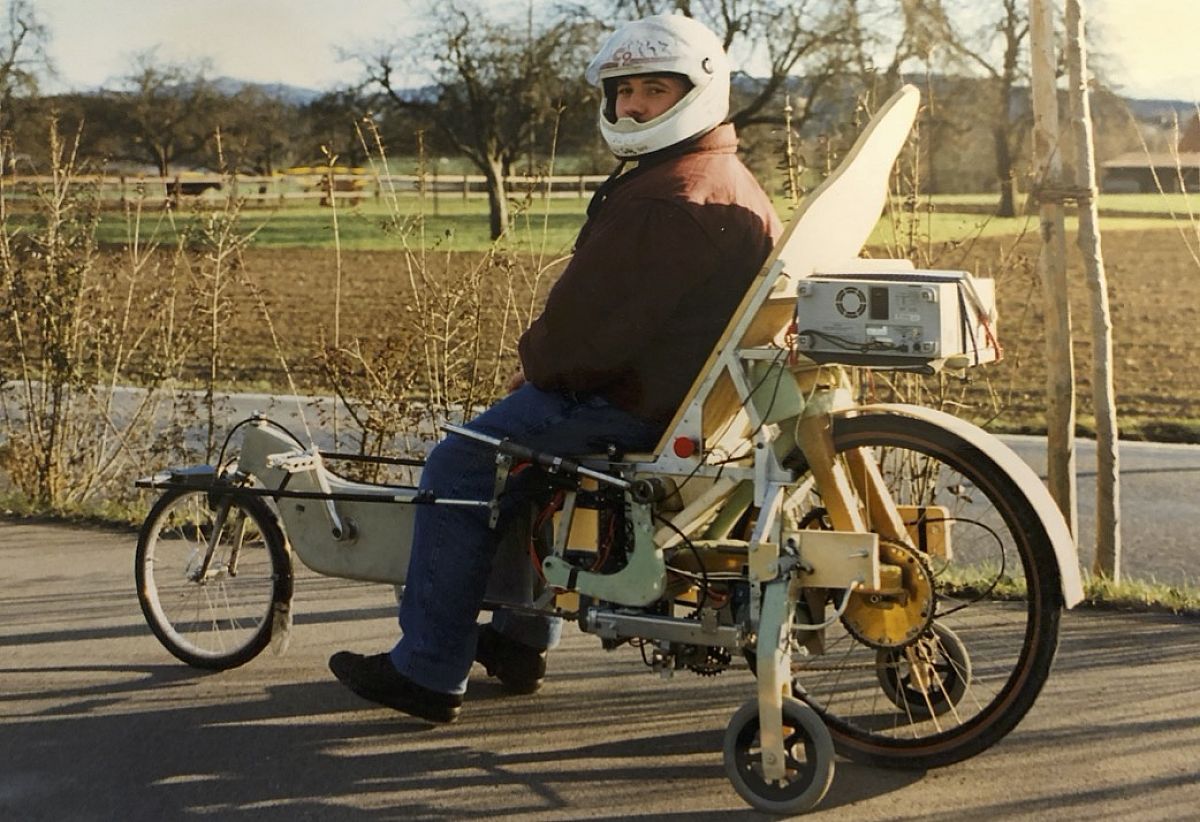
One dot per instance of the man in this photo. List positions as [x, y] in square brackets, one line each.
[666, 254]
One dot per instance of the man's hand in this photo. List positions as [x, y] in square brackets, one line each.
[516, 380]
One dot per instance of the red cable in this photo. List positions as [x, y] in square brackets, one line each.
[554, 505]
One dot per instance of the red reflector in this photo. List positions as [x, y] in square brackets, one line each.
[684, 447]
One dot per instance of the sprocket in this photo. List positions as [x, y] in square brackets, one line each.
[901, 611]
[715, 661]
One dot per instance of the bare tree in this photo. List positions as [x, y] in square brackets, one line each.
[495, 84]
[22, 56]
[328, 123]
[1107, 562]
[1052, 267]
[164, 113]
[257, 132]
[996, 47]
[798, 46]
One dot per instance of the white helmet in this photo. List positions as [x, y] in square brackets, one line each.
[664, 43]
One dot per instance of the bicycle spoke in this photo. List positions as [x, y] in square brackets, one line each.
[970, 673]
[223, 616]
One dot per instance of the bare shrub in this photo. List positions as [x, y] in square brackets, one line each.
[448, 352]
[217, 268]
[76, 321]
[1187, 221]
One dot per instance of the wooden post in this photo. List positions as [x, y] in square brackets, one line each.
[1060, 361]
[1107, 562]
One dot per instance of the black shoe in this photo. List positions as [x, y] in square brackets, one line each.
[520, 668]
[376, 679]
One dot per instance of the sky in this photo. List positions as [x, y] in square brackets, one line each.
[1150, 44]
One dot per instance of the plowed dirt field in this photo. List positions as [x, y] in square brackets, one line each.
[1154, 288]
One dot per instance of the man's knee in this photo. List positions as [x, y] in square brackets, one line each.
[454, 460]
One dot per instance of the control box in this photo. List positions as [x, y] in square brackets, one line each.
[919, 320]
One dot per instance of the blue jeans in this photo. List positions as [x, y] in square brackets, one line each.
[453, 546]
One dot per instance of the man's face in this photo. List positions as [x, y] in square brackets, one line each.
[643, 97]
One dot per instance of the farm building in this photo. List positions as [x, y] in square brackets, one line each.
[1135, 171]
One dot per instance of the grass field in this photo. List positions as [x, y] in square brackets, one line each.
[449, 222]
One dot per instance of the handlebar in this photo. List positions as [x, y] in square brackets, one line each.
[551, 462]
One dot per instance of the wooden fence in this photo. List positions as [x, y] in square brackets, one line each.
[303, 189]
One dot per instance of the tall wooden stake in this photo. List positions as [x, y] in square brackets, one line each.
[1107, 562]
[1060, 362]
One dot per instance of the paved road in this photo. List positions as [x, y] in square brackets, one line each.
[98, 722]
[1160, 506]
[1160, 484]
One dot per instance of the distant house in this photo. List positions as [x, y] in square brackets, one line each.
[1135, 171]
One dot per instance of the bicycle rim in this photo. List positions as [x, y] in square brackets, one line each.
[997, 591]
[211, 610]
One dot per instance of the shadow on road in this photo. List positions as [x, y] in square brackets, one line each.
[97, 722]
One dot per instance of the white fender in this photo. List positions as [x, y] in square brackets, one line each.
[1024, 476]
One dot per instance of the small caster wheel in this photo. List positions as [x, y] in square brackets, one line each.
[928, 677]
[808, 750]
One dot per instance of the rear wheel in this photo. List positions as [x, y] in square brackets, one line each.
[211, 573]
[967, 676]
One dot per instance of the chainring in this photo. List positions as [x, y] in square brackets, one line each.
[717, 661]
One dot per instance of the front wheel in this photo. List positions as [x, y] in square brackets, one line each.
[808, 754]
[981, 657]
[212, 571]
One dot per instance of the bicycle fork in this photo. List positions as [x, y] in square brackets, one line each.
[220, 519]
[783, 563]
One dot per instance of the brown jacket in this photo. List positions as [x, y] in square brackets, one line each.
[658, 270]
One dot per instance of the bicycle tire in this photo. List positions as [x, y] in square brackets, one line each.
[1007, 616]
[226, 618]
